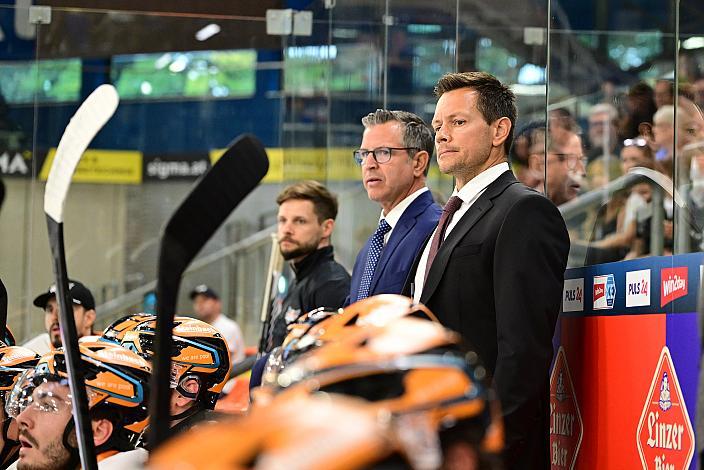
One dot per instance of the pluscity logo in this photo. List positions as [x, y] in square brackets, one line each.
[604, 292]
[573, 295]
[638, 288]
[673, 284]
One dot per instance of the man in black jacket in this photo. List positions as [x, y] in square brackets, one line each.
[306, 219]
[493, 270]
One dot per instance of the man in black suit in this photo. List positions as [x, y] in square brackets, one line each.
[496, 262]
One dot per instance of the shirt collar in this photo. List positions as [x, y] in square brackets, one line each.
[476, 185]
[310, 262]
[395, 214]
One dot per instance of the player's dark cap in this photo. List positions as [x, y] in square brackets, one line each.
[204, 291]
[79, 294]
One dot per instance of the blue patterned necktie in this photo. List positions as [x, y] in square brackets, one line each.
[375, 247]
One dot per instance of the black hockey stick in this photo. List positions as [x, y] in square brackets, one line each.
[210, 202]
[2, 193]
[3, 310]
[84, 125]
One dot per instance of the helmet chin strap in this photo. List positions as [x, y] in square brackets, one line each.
[192, 395]
[198, 406]
[74, 456]
[10, 447]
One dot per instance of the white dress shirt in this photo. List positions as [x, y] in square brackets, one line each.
[469, 193]
[395, 214]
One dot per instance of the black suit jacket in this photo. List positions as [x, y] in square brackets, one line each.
[497, 279]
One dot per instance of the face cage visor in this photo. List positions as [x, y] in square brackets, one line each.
[42, 391]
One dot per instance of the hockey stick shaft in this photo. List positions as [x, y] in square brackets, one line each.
[69, 338]
[275, 264]
[3, 308]
[80, 131]
[210, 202]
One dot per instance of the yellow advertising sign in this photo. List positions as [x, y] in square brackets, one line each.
[103, 166]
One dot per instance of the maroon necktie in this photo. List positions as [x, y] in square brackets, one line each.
[447, 212]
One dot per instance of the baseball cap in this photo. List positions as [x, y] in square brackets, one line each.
[79, 293]
[204, 290]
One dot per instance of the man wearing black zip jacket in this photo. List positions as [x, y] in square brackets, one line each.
[306, 219]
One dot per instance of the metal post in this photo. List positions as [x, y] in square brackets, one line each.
[656, 222]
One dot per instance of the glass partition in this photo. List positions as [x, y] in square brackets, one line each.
[606, 163]
[687, 142]
[590, 79]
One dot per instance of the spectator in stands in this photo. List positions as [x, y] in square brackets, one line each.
[520, 153]
[566, 165]
[603, 131]
[690, 130]
[208, 307]
[561, 125]
[698, 92]
[614, 228]
[664, 93]
[640, 107]
[664, 133]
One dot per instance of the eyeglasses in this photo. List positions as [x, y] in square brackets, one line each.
[381, 154]
[637, 142]
[571, 159]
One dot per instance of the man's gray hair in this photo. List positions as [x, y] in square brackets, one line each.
[416, 133]
[604, 108]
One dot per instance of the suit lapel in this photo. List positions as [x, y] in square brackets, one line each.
[403, 227]
[470, 218]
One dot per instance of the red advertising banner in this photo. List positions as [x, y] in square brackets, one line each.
[566, 427]
[665, 435]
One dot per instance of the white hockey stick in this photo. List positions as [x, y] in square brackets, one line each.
[84, 125]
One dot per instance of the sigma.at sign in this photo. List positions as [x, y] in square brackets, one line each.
[174, 166]
[14, 163]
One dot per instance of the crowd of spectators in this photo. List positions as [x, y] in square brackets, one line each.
[643, 130]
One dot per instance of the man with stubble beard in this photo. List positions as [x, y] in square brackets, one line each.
[306, 220]
[83, 314]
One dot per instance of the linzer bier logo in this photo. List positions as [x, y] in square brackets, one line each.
[665, 436]
[565, 421]
[673, 284]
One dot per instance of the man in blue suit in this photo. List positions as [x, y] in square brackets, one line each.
[394, 157]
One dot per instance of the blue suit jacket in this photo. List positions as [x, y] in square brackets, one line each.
[413, 228]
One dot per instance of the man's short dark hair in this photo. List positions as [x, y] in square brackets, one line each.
[416, 133]
[324, 202]
[494, 99]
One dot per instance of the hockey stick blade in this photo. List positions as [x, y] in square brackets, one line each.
[211, 201]
[84, 125]
[90, 117]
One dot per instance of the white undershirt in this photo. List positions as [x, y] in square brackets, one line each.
[395, 214]
[469, 193]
